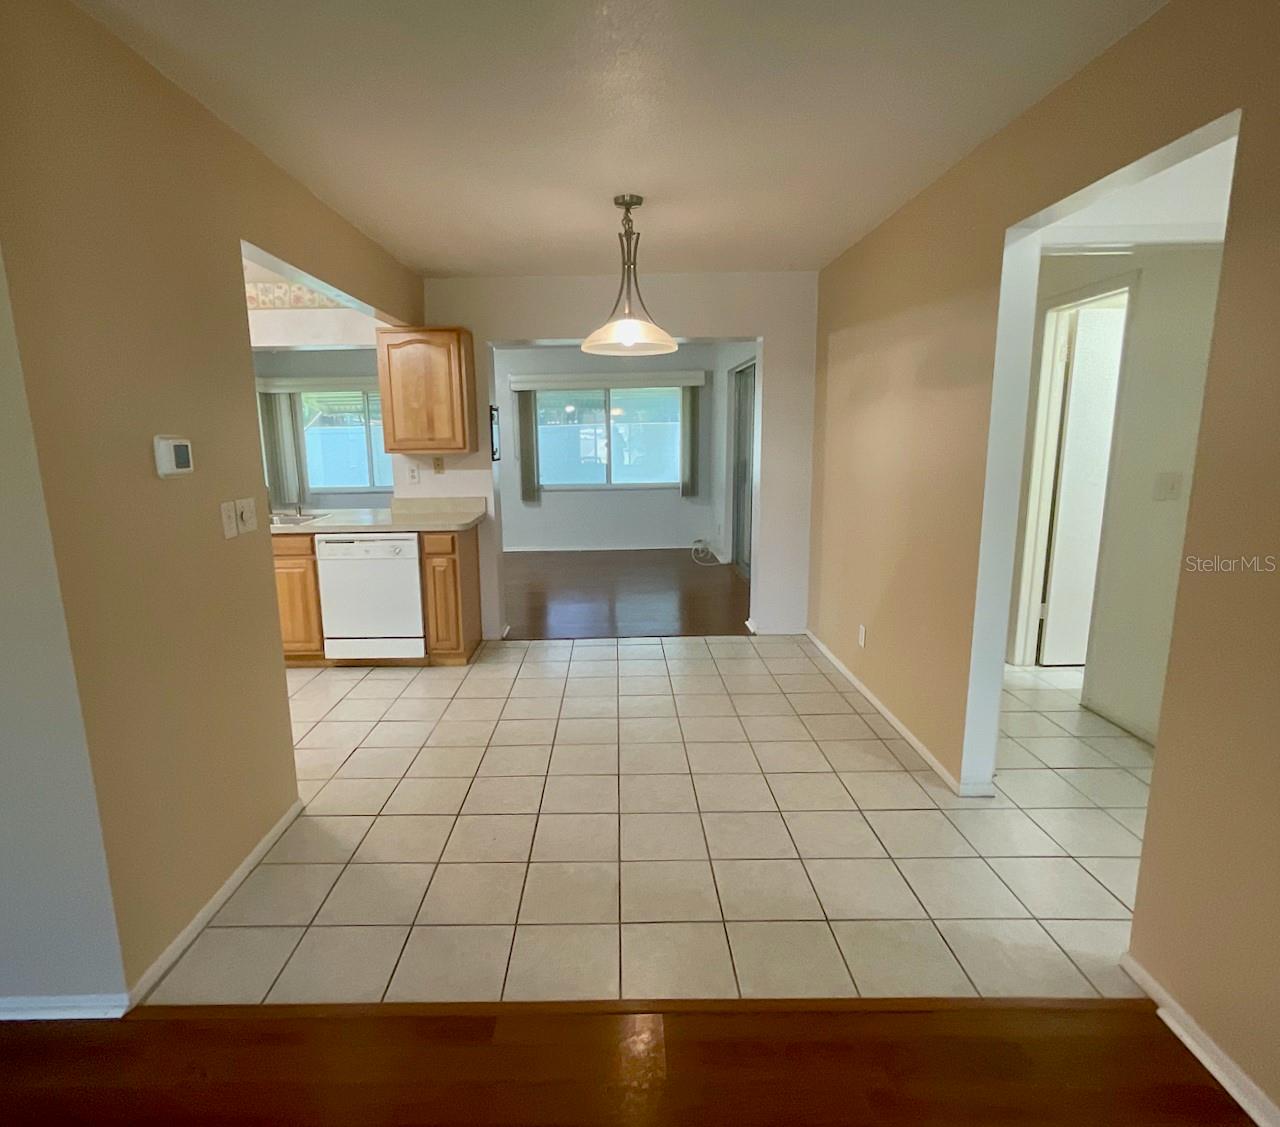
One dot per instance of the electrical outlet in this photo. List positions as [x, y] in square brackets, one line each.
[862, 636]
[437, 465]
[247, 514]
[415, 472]
[230, 525]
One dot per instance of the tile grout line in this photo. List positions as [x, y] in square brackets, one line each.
[1031, 915]
[409, 930]
[715, 883]
[804, 868]
[524, 880]
[1027, 811]
[927, 914]
[306, 927]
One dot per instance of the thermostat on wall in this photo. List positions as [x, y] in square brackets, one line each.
[173, 455]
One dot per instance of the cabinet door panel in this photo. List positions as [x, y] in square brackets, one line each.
[427, 387]
[444, 612]
[298, 594]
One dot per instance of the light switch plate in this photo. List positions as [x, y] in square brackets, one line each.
[247, 514]
[230, 523]
[437, 464]
[1168, 486]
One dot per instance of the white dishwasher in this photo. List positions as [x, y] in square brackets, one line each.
[370, 595]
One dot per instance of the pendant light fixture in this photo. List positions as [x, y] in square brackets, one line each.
[630, 330]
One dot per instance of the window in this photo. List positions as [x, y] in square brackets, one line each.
[342, 440]
[620, 436]
[573, 444]
[322, 442]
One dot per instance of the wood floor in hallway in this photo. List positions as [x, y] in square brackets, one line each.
[858, 1062]
[622, 594]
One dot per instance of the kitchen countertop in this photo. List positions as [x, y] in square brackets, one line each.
[453, 514]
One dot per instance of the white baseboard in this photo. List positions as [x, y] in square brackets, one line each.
[61, 1007]
[1144, 734]
[965, 790]
[173, 952]
[1255, 1102]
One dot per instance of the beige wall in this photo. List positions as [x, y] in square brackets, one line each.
[906, 349]
[122, 207]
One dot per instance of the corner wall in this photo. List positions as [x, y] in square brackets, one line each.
[907, 330]
[57, 927]
[122, 207]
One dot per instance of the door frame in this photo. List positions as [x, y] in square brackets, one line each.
[1044, 443]
[1003, 478]
[735, 385]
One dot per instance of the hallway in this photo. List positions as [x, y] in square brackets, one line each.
[676, 818]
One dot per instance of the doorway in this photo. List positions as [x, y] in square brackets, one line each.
[1097, 238]
[744, 444]
[617, 491]
[1084, 343]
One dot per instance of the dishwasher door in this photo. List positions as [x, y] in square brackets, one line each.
[370, 595]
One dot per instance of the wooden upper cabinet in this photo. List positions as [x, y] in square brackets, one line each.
[428, 383]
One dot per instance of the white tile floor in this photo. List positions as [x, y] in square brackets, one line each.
[668, 818]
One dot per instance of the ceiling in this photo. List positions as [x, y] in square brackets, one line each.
[489, 136]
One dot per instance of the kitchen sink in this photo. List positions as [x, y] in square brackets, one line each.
[295, 518]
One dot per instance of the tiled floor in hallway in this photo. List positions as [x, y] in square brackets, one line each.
[684, 817]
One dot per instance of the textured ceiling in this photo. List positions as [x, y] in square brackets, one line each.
[489, 136]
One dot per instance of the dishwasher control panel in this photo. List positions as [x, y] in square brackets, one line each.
[388, 546]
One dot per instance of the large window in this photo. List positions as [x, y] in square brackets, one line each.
[619, 436]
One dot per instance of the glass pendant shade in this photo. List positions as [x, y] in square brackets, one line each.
[630, 330]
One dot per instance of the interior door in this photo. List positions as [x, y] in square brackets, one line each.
[744, 445]
[1080, 488]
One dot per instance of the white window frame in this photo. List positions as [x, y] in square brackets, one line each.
[310, 490]
[290, 446]
[608, 484]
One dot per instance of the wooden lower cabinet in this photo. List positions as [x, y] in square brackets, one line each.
[298, 595]
[451, 595]
[450, 563]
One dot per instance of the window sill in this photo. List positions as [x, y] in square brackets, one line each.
[608, 487]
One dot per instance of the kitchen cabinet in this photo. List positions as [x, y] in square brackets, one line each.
[298, 595]
[450, 576]
[451, 595]
[428, 384]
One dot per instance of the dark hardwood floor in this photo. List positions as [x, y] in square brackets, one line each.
[626, 594]
[1101, 1064]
